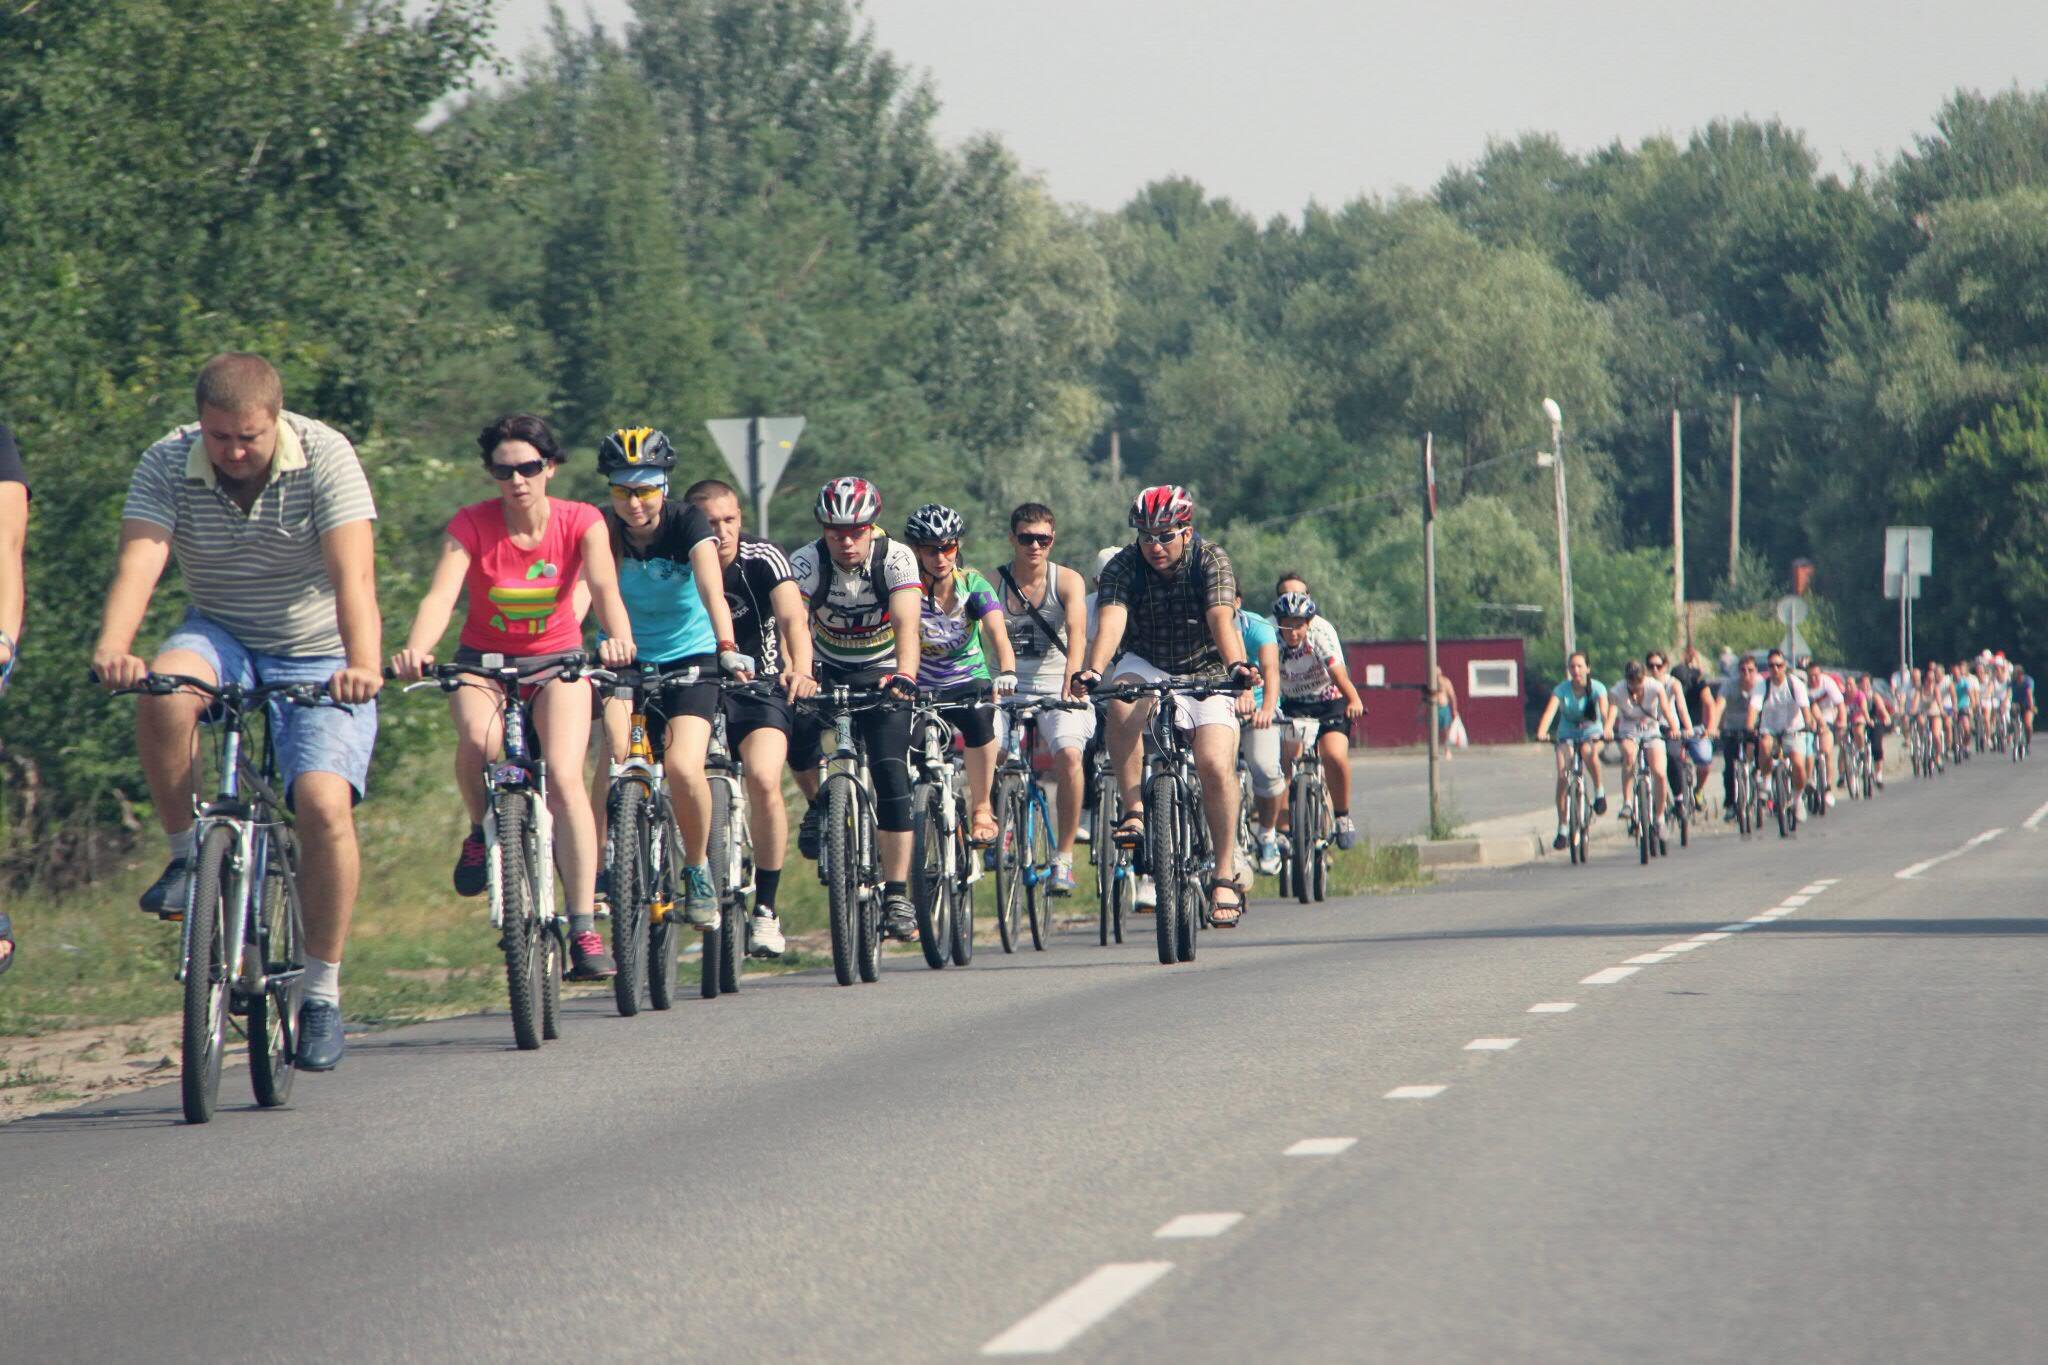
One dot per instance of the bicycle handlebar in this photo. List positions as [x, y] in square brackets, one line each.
[292, 693]
[568, 667]
[1185, 687]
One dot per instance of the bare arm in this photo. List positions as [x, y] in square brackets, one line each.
[1354, 705]
[906, 610]
[710, 576]
[1074, 608]
[793, 624]
[1110, 618]
[995, 637]
[1223, 630]
[603, 573]
[430, 619]
[144, 551]
[1549, 714]
[1269, 669]
[350, 551]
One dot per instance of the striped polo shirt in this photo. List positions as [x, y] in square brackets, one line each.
[259, 573]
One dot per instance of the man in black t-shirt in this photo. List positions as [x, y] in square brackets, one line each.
[770, 623]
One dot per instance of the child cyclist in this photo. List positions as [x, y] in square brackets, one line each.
[960, 614]
[519, 556]
[674, 587]
[1315, 686]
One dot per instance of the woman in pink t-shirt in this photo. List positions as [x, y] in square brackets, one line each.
[519, 556]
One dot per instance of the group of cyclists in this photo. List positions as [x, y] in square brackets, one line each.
[1759, 709]
[268, 515]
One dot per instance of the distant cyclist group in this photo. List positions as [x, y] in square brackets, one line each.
[905, 691]
[1790, 737]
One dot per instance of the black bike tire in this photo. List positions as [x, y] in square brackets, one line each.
[1301, 848]
[1009, 854]
[1038, 884]
[554, 953]
[1163, 857]
[664, 940]
[1102, 854]
[629, 899]
[725, 946]
[518, 939]
[1324, 829]
[928, 876]
[1194, 897]
[962, 892]
[274, 1014]
[842, 879]
[209, 978]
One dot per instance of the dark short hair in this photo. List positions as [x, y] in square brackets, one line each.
[520, 426]
[1632, 672]
[1774, 656]
[704, 490]
[1028, 512]
[1304, 585]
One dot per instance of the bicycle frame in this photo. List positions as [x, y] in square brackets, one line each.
[246, 819]
[525, 774]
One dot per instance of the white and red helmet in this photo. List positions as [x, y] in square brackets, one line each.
[1166, 507]
[848, 501]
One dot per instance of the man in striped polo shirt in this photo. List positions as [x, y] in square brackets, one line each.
[269, 516]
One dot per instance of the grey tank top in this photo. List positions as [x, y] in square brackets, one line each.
[1041, 663]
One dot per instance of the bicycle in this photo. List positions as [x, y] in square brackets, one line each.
[1681, 779]
[1311, 828]
[1735, 751]
[1116, 873]
[1578, 801]
[1856, 762]
[244, 890]
[848, 861]
[730, 849]
[1642, 821]
[1820, 776]
[1784, 802]
[521, 883]
[1023, 848]
[1176, 844]
[641, 854]
[943, 867]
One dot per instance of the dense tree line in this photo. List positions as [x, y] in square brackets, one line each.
[741, 206]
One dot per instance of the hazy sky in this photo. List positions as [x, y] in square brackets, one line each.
[1278, 102]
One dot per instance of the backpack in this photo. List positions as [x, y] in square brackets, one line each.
[871, 571]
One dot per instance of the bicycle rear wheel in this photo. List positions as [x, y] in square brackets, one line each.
[627, 820]
[840, 851]
[209, 975]
[928, 880]
[1009, 861]
[274, 1014]
[1301, 850]
[520, 938]
[1163, 856]
[725, 946]
[1103, 855]
[962, 892]
[1037, 851]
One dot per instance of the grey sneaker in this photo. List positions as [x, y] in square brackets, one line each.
[320, 1040]
[170, 893]
[700, 898]
[899, 919]
[1063, 876]
[1269, 854]
[767, 934]
[1347, 832]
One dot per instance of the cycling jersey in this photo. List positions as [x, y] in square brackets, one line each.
[1578, 717]
[1784, 707]
[850, 621]
[669, 619]
[2025, 691]
[1736, 701]
[750, 583]
[519, 601]
[949, 639]
[1258, 632]
[1638, 717]
[1305, 669]
[1858, 701]
[1827, 698]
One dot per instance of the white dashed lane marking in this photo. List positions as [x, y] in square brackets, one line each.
[1200, 1225]
[2034, 821]
[1647, 959]
[1416, 1092]
[1608, 976]
[1554, 1007]
[1066, 1317]
[1491, 1044]
[1321, 1146]
[1908, 873]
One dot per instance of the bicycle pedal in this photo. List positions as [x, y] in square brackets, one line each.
[658, 911]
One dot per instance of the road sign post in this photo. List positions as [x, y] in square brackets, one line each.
[1908, 558]
[757, 450]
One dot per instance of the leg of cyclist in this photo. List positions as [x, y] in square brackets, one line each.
[887, 735]
[1562, 749]
[166, 742]
[1628, 768]
[1215, 747]
[1065, 735]
[479, 738]
[613, 739]
[561, 713]
[1261, 750]
[1334, 747]
[1765, 741]
[977, 728]
[763, 750]
[1127, 754]
[1795, 749]
[1661, 792]
[685, 747]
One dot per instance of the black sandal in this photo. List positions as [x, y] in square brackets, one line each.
[1217, 912]
[1130, 831]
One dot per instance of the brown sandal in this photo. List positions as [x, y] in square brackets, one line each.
[976, 824]
[1217, 912]
[1130, 831]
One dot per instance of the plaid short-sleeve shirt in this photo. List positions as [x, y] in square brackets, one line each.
[1168, 625]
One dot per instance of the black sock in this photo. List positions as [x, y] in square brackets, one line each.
[1342, 813]
[891, 889]
[767, 881]
[476, 832]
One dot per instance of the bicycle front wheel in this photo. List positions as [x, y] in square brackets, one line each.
[1037, 854]
[1009, 861]
[1163, 856]
[928, 880]
[279, 937]
[657, 876]
[961, 891]
[1103, 855]
[209, 975]
[840, 853]
[628, 895]
[725, 946]
[520, 938]
[1302, 851]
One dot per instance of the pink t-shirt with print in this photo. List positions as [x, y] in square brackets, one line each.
[519, 600]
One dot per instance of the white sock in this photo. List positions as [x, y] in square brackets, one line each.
[322, 980]
[184, 842]
[1265, 832]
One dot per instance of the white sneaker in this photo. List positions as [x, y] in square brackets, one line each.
[1082, 835]
[1269, 854]
[1831, 800]
[1062, 874]
[1148, 896]
[767, 932]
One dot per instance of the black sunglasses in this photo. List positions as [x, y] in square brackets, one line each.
[1041, 539]
[530, 469]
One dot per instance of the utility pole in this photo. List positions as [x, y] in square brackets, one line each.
[1564, 544]
[1735, 489]
[1677, 535]
[1429, 616]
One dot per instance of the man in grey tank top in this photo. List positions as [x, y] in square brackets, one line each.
[1042, 611]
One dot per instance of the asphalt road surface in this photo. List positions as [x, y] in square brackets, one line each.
[1763, 1101]
[1390, 789]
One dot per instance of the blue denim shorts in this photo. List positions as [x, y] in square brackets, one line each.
[309, 739]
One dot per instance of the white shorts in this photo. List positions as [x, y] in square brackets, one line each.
[1057, 728]
[1261, 750]
[1189, 713]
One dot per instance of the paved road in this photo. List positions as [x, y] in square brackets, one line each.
[1391, 789]
[1813, 1138]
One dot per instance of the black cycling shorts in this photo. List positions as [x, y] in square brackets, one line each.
[976, 723]
[885, 730]
[1328, 712]
[746, 713]
[673, 701]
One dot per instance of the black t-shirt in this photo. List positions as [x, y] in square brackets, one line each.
[10, 459]
[683, 527]
[750, 582]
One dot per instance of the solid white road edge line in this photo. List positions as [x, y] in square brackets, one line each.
[1908, 873]
[2034, 821]
[1200, 1225]
[1052, 1327]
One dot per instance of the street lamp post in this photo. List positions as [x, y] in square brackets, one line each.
[1555, 459]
